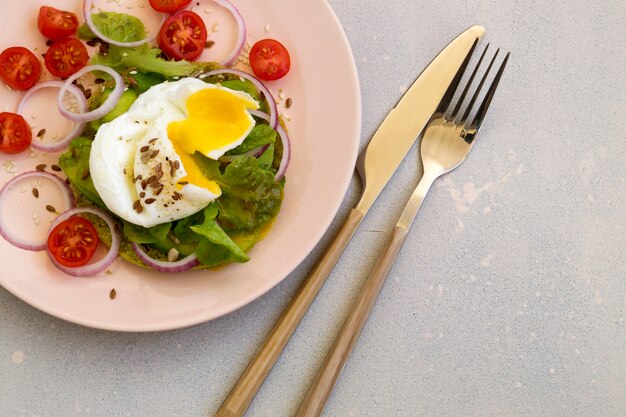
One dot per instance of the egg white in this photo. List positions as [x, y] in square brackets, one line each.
[119, 173]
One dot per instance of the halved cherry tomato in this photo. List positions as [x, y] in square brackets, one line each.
[269, 59]
[65, 57]
[168, 6]
[15, 133]
[19, 68]
[73, 242]
[183, 36]
[56, 24]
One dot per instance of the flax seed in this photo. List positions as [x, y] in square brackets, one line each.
[112, 294]
[150, 200]
[56, 168]
[41, 167]
[144, 148]
[36, 192]
[41, 133]
[154, 154]
[50, 208]
[142, 194]
[85, 174]
[288, 103]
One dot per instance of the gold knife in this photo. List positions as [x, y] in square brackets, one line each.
[376, 165]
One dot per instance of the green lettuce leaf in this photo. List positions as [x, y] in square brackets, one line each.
[118, 26]
[250, 195]
[75, 164]
[259, 136]
[144, 59]
[266, 158]
[140, 234]
[216, 247]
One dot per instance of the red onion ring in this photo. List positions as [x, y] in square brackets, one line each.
[88, 5]
[96, 267]
[68, 199]
[182, 265]
[106, 107]
[284, 162]
[256, 152]
[56, 146]
[258, 84]
[242, 30]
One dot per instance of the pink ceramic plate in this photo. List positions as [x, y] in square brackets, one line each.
[324, 124]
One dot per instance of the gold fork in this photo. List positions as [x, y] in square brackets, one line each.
[447, 141]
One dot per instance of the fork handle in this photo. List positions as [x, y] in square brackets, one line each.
[329, 373]
[331, 369]
[250, 382]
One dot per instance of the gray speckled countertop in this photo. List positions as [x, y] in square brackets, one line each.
[508, 299]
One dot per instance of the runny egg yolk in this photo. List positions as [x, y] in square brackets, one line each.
[216, 119]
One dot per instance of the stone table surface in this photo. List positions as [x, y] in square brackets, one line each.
[508, 298]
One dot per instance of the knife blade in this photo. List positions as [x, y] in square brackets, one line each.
[376, 164]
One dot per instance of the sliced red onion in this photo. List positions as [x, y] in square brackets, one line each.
[182, 265]
[242, 30]
[106, 107]
[18, 241]
[258, 84]
[96, 267]
[256, 152]
[87, 10]
[284, 162]
[56, 146]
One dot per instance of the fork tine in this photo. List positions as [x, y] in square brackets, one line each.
[470, 106]
[446, 100]
[484, 106]
[452, 115]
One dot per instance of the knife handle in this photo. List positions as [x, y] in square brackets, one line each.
[242, 394]
[333, 365]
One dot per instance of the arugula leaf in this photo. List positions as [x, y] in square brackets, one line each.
[75, 164]
[259, 135]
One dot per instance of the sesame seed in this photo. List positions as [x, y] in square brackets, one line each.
[215, 27]
[172, 255]
[267, 28]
